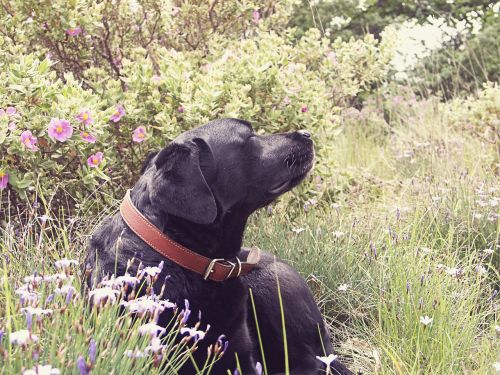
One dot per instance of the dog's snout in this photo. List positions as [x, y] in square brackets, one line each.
[304, 133]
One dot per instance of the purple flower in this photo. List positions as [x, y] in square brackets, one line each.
[60, 129]
[151, 329]
[139, 134]
[92, 351]
[85, 117]
[73, 31]
[28, 140]
[193, 332]
[4, 179]
[10, 111]
[82, 365]
[1, 335]
[256, 16]
[186, 312]
[119, 113]
[87, 137]
[94, 160]
[180, 109]
[304, 109]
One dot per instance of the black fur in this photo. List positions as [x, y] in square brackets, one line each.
[200, 191]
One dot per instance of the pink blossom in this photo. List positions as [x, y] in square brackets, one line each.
[60, 129]
[2, 112]
[73, 31]
[85, 117]
[304, 109]
[180, 109]
[12, 126]
[4, 179]
[11, 111]
[256, 16]
[175, 11]
[28, 140]
[139, 134]
[119, 113]
[94, 160]
[332, 57]
[87, 137]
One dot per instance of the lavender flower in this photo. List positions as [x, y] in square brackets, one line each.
[118, 114]
[65, 263]
[81, 364]
[60, 129]
[4, 179]
[194, 333]
[155, 346]
[328, 360]
[92, 351]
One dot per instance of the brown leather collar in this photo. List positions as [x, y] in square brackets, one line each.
[211, 269]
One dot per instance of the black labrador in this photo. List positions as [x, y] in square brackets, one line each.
[200, 191]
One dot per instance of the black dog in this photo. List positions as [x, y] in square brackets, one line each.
[200, 191]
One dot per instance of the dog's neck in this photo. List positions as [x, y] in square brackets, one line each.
[221, 239]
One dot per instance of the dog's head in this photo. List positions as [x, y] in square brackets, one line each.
[224, 166]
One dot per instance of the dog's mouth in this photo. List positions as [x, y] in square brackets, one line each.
[300, 171]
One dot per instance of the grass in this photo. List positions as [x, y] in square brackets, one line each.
[403, 225]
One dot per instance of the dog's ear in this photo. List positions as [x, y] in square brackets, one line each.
[179, 185]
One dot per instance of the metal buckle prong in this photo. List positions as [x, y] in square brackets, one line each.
[210, 267]
[239, 267]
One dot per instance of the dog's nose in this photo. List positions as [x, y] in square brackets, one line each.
[304, 133]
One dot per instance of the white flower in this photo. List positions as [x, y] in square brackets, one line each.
[453, 271]
[477, 216]
[488, 251]
[343, 287]
[155, 346]
[497, 328]
[103, 294]
[135, 354]
[425, 320]
[425, 250]
[121, 281]
[65, 289]
[151, 329]
[496, 366]
[22, 337]
[42, 370]
[146, 303]
[298, 230]
[338, 234]
[193, 332]
[37, 311]
[336, 206]
[65, 263]
[27, 296]
[33, 279]
[152, 271]
[328, 360]
[481, 270]
[56, 277]
[494, 202]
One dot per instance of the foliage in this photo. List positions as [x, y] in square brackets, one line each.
[452, 71]
[348, 18]
[270, 79]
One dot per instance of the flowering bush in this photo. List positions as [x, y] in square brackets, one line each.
[73, 122]
[478, 115]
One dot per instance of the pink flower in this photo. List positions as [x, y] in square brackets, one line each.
[94, 160]
[256, 16]
[332, 57]
[304, 109]
[139, 134]
[4, 179]
[119, 113]
[85, 117]
[28, 140]
[12, 126]
[87, 137]
[180, 109]
[175, 11]
[73, 31]
[11, 111]
[2, 112]
[60, 129]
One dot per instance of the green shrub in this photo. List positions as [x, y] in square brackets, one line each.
[269, 78]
